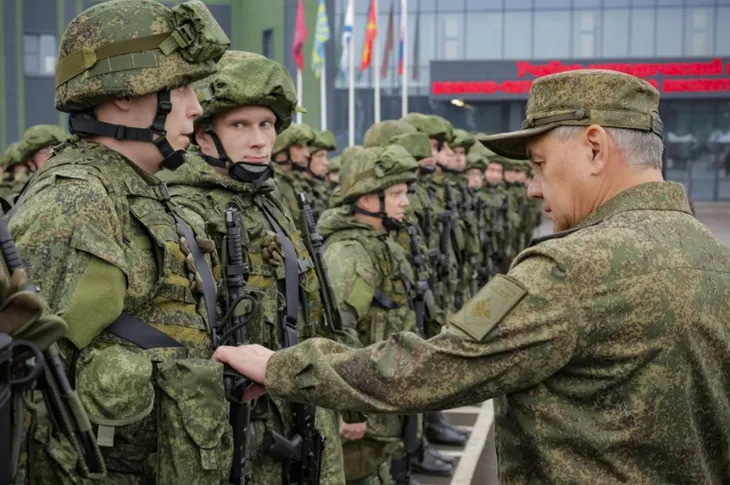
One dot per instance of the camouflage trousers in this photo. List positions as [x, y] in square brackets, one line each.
[380, 477]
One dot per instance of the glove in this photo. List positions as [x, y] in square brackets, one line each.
[273, 252]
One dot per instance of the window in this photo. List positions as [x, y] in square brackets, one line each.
[585, 27]
[451, 5]
[722, 35]
[267, 43]
[39, 54]
[484, 35]
[699, 31]
[426, 38]
[588, 3]
[552, 34]
[669, 31]
[642, 32]
[517, 4]
[452, 32]
[517, 35]
[552, 3]
[615, 32]
[476, 5]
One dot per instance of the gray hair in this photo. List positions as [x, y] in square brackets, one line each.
[643, 149]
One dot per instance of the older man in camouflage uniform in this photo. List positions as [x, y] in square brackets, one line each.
[245, 105]
[606, 344]
[114, 257]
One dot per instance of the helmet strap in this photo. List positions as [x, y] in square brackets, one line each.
[388, 222]
[85, 124]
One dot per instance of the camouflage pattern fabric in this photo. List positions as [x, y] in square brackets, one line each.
[204, 194]
[98, 238]
[132, 73]
[600, 342]
[582, 98]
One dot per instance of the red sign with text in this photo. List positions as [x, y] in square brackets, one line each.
[671, 77]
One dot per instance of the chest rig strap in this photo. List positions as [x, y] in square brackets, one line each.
[291, 278]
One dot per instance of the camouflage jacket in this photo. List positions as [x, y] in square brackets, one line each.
[602, 342]
[372, 281]
[497, 227]
[204, 194]
[286, 183]
[317, 193]
[99, 238]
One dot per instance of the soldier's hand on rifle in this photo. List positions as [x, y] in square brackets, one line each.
[249, 361]
[352, 431]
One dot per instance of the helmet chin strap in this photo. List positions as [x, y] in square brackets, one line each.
[85, 124]
[388, 222]
[253, 173]
[446, 169]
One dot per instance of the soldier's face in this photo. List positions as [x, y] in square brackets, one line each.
[246, 132]
[493, 173]
[510, 176]
[445, 156]
[475, 178]
[521, 177]
[179, 123]
[428, 163]
[40, 158]
[396, 201]
[562, 179]
[318, 163]
[299, 154]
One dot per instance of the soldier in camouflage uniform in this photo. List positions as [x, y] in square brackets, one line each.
[315, 175]
[372, 281]
[516, 197]
[399, 132]
[605, 347]
[291, 157]
[113, 256]
[476, 164]
[248, 102]
[333, 174]
[462, 143]
[10, 160]
[446, 234]
[497, 221]
[37, 142]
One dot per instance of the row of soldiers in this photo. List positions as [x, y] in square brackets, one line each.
[152, 269]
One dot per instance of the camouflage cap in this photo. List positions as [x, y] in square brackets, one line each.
[374, 169]
[323, 140]
[294, 135]
[247, 79]
[463, 138]
[476, 160]
[417, 144]
[432, 125]
[380, 134]
[11, 155]
[132, 48]
[581, 98]
[40, 136]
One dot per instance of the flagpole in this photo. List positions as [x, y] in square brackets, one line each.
[404, 80]
[323, 95]
[351, 94]
[299, 95]
[376, 68]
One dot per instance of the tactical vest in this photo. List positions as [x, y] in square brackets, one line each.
[390, 310]
[159, 413]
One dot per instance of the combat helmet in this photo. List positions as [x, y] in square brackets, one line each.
[436, 127]
[38, 137]
[245, 79]
[11, 155]
[373, 170]
[380, 134]
[132, 48]
[463, 138]
[323, 140]
[477, 160]
[301, 134]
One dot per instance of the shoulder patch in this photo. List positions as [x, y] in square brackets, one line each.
[488, 307]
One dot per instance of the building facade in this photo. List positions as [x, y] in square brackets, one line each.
[469, 60]
[473, 61]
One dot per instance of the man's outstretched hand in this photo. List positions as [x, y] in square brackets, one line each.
[249, 361]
